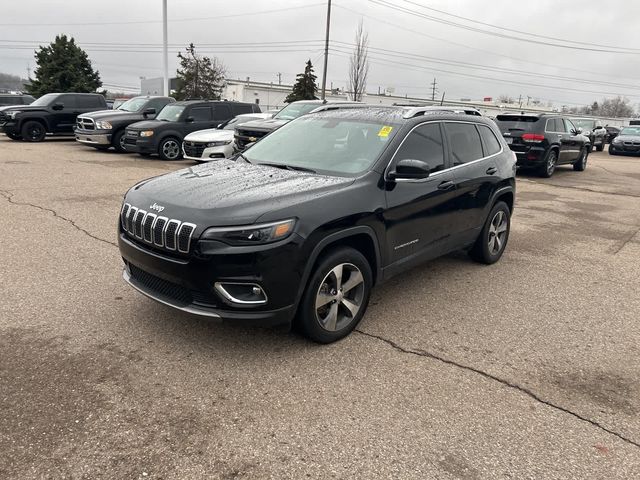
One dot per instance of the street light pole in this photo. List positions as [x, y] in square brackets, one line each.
[326, 52]
[165, 53]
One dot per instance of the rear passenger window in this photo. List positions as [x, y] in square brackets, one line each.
[491, 143]
[465, 142]
[424, 143]
[200, 114]
[89, 102]
[222, 112]
[68, 101]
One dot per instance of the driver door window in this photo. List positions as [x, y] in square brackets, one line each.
[424, 143]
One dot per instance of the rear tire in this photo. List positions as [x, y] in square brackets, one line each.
[493, 238]
[33, 131]
[336, 296]
[169, 149]
[600, 147]
[581, 163]
[550, 162]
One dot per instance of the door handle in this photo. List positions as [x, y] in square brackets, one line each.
[447, 185]
[491, 170]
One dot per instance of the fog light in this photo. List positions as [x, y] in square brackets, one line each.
[241, 293]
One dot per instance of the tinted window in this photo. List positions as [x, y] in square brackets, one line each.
[11, 100]
[200, 114]
[86, 101]
[424, 143]
[517, 122]
[69, 101]
[555, 125]
[171, 113]
[157, 103]
[568, 125]
[222, 112]
[241, 108]
[491, 143]
[465, 142]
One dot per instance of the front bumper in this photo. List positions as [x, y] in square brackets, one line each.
[621, 149]
[10, 127]
[211, 153]
[139, 145]
[92, 138]
[187, 283]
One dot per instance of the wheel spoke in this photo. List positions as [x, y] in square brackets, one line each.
[502, 228]
[352, 307]
[337, 273]
[498, 243]
[322, 299]
[492, 244]
[355, 279]
[332, 319]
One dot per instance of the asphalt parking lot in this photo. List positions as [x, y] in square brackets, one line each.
[525, 369]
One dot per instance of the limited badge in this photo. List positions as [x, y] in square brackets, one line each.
[385, 131]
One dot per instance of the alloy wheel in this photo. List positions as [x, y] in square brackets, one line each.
[551, 163]
[121, 142]
[171, 149]
[340, 297]
[497, 232]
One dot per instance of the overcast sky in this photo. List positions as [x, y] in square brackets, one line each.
[123, 40]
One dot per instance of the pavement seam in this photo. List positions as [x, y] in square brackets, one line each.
[9, 197]
[582, 189]
[506, 383]
[631, 237]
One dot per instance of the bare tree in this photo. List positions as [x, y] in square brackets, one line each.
[359, 64]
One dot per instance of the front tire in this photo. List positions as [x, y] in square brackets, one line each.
[336, 296]
[169, 149]
[33, 131]
[117, 141]
[14, 136]
[550, 163]
[581, 163]
[494, 236]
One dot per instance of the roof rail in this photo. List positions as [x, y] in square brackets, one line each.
[338, 106]
[411, 112]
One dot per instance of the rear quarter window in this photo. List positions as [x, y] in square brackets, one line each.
[89, 101]
[490, 143]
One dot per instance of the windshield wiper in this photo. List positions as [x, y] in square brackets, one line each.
[288, 167]
[240, 155]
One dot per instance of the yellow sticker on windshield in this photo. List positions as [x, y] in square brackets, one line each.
[385, 131]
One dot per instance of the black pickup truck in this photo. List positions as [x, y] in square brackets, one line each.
[53, 113]
[105, 128]
[164, 135]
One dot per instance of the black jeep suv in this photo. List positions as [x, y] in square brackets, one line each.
[305, 222]
[106, 128]
[542, 142]
[53, 113]
[164, 135]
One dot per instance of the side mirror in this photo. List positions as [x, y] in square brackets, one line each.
[148, 111]
[577, 131]
[189, 119]
[410, 169]
[57, 106]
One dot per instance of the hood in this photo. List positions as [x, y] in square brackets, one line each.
[146, 125]
[112, 115]
[225, 192]
[627, 138]
[23, 108]
[209, 135]
[263, 125]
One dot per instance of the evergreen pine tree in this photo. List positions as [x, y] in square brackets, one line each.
[63, 67]
[305, 87]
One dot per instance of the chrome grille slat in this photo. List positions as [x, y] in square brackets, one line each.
[85, 123]
[152, 229]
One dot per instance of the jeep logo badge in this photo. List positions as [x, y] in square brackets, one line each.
[157, 207]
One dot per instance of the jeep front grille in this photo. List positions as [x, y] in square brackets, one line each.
[152, 229]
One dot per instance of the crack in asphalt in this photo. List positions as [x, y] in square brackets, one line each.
[631, 237]
[9, 197]
[506, 383]
[582, 189]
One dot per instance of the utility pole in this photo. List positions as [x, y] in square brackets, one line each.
[433, 89]
[165, 51]
[520, 101]
[279, 78]
[326, 52]
[528, 98]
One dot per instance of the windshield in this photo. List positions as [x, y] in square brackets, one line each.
[132, 105]
[324, 144]
[584, 124]
[630, 131]
[233, 123]
[295, 110]
[170, 113]
[45, 100]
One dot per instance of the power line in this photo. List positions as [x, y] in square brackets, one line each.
[520, 32]
[175, 20]
[414, 13]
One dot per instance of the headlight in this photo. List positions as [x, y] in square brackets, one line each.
[13, 113]
[616, 140]
[219, 143]
[146, 133]
[103, 125]
[251, 234]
